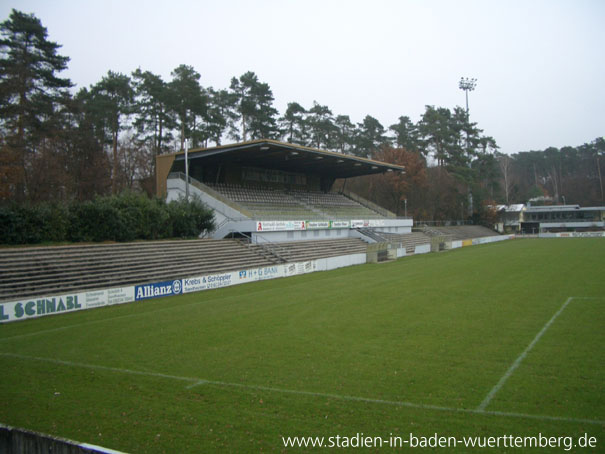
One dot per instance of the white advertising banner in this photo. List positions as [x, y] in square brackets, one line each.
[36, 307]
[120, 295]
[275, 226]
[456, 244]
[71, 302]
[572, 235]
[197, 284]
[318, 225]
[340, 224]
[95, 298]
[422, 249]
[376, 222]
[359, 223]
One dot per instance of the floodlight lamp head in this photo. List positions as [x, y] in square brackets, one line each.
[467, 84]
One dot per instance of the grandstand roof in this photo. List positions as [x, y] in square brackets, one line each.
[273, 154]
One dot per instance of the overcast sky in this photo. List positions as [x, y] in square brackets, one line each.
[540, 65]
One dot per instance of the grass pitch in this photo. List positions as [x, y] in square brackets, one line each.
[412, 346]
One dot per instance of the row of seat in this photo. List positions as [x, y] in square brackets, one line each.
[407, 240]
[298, 251]
[282, 204]
[461, 232]
[45, 271]
[253, 194]
[26, 272]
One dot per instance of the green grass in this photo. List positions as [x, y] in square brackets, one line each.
[435, 330]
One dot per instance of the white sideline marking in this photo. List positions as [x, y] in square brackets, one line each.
[97, 367]
[198, 381]
[520, 358]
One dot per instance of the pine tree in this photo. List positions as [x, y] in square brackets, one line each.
[406, 134]
[153, 121]
[188, 102]
[370, 136]
[112, 100]
[255, 116]
[30, 92]
[321, 127]
[292, 124]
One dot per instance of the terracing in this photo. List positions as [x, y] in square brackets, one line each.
[460, 232]
[452, 233]
[268, 203]
[298, 251]
[409, 241]
[43, 271]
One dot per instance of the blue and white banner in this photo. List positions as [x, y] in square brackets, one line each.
[166, 288]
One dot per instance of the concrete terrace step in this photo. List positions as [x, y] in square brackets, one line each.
[65, 273]
[68, 273]
[125, 280]
[15, 255]
[39, 271]
[462, 232]
[314, 249]
[43, 271]
[106, 259]
[408, 240]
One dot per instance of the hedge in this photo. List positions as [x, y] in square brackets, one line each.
[125, 217]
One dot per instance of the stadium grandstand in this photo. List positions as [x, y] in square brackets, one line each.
[274, 203]
[272, 191]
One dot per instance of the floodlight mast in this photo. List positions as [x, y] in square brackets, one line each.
[187, 170]
[467, 84]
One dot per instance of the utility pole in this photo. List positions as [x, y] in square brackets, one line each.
[187, 170]
[467, 84]
[600, 178]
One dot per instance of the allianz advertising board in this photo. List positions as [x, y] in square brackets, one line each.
[166, 288]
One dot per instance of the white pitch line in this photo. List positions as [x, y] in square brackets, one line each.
[520, 358]
[97, 367]
[199, 381]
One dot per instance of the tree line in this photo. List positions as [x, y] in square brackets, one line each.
[59, 143]
[570, 175]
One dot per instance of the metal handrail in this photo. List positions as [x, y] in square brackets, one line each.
[264, 246]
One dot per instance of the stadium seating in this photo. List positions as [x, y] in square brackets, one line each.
[408, 240]
[460, 232]
[40, 271]
[276, 204]
[298, 251]
[334, 205]
[51, 270]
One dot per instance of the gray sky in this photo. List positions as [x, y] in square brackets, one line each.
[540, 64]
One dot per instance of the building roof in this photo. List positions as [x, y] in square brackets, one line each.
[553, 208]
[289, 157]
[514, 208]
